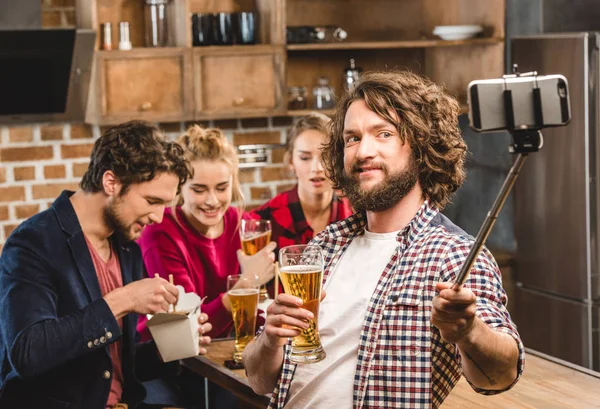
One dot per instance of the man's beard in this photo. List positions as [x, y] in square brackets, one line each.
[383, 196]
[114, 220]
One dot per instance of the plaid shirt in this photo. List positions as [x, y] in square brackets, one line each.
[288, 222]
[402, 359]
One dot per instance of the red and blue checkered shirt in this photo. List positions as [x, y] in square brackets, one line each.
[402, 360]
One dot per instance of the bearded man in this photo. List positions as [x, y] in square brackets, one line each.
[395, 333]
[71, 281]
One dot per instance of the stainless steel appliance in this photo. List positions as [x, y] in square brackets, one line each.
[557, 221]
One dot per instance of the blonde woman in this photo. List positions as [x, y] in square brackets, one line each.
[198, 239]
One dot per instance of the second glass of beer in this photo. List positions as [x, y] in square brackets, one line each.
[301, 275]
[255, 235]
[243, 294]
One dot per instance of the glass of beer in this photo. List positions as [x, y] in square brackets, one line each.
[301, 275]
[243, 294]
[255, 235]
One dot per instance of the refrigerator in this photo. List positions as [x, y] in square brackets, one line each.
[557, 227]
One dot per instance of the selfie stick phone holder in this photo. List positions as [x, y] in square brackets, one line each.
[525, 140]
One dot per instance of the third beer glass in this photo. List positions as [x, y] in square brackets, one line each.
[243, 294]
[255, 235]
[301, 275]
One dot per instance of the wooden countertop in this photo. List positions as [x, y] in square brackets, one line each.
[544, 384]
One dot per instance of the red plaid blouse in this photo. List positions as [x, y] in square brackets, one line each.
[288, 222]
[402, 360]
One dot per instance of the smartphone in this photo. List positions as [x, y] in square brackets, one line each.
[486, 102]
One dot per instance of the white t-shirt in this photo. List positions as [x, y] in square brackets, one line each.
[329, 383]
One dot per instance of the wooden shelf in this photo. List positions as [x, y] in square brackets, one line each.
[373, 45]
[464, 109]
[302, 112]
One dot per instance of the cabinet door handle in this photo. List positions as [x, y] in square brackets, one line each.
[239, 101]
[146, 106]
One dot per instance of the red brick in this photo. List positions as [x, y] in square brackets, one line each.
[75, 151]
[12, 194]
[104, 128]
[2, 175]
[201, 124]
[54, 171]
[260, 193]
[24, 173]
[277, 155]
[255, 123]
[51, 190]
[3, 213]
[20, 134]
[25, 154]
[282, 121]
[51, 19]
[246, 175]
[273, 174]
[62, 3]
[79, 169]
[8, 229]
[251, 138]
[170, 127]
[26, 211]
[81, 131]
[226, 123]
[284, 188]
[52, 132]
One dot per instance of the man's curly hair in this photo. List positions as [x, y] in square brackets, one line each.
[136, 152]
[425, 116]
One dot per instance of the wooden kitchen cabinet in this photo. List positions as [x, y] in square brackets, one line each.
[139, 84]
[182, 82]
[247, 82]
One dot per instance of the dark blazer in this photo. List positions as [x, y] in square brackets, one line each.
[55, 325]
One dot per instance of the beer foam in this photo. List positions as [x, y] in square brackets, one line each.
[244, 291]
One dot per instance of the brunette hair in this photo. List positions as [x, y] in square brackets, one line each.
[425, 116]
[210, 144]
[311, 121]
[135, 152]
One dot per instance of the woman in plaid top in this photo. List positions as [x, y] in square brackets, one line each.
[297, 215]
[395, 333]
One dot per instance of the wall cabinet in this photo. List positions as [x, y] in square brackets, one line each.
[246, 83]
[182, 82]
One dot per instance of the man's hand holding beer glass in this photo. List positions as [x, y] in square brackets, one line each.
[285, 319]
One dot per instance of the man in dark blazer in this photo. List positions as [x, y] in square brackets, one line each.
[71, 281]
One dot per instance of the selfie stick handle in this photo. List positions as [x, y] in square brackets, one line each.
[489, 221]
[525, 141]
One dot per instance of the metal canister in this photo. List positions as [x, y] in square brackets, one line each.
[106, 39]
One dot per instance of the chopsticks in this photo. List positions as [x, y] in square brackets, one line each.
[171, 281]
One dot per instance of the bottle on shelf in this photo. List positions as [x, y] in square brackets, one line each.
[296, 98]
[155, 12]
[351, 75]
[323, 97]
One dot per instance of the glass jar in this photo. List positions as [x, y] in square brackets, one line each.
[297, 98]
[323, 97]
[155, 20]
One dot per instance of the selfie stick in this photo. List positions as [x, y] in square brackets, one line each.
[526, 139]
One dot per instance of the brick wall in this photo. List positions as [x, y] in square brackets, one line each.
[38, 161]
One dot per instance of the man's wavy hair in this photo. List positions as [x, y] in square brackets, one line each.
[135, 152]
[426, 117]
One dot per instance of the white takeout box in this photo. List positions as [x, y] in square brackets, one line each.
[176, 334]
